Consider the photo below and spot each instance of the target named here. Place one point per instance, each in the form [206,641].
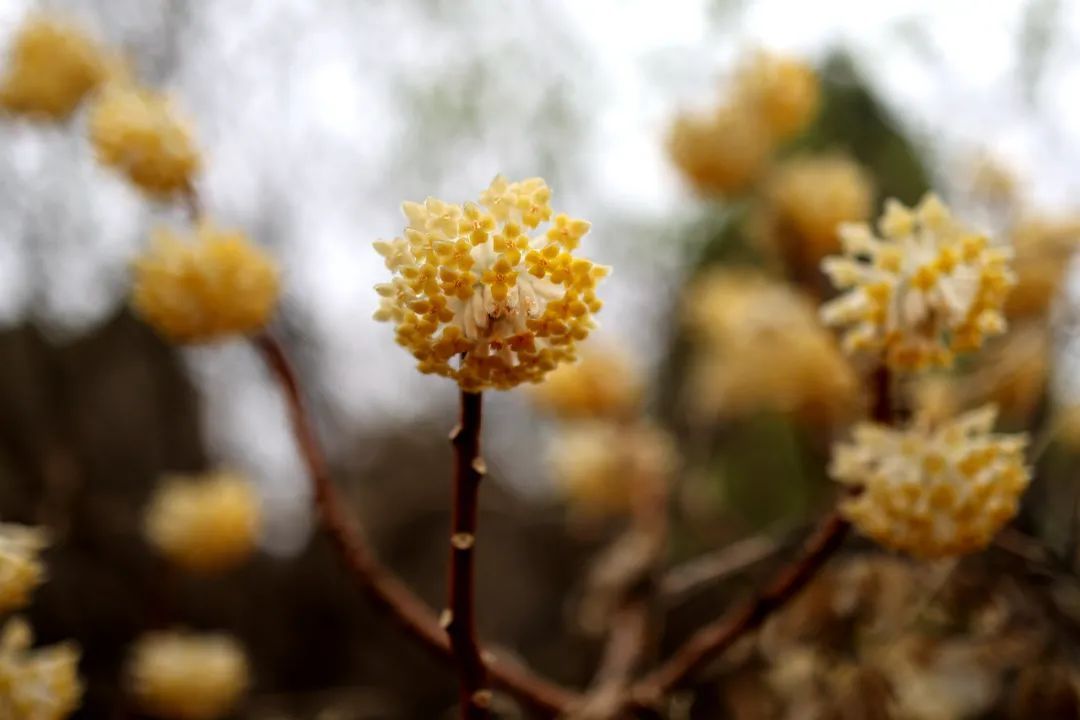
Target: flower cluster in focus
[36,684]
[923,289]
[215,285]
[932,490]
[205,523]
[52,68]
[478,299]
[187,676]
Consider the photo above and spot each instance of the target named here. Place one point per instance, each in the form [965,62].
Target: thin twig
[712,567]
[474,699]
[385,590]
[716,637]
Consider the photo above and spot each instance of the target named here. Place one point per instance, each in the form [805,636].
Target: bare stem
[469,469]
[716,637]
[713,639]
[385,590]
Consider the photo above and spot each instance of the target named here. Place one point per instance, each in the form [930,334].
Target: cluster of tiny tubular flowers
[200,290]
[932,489]
[759,346]
[36,684]
[476,298]
[924,289]
[809,196]
[1043,247]
[187,676]
[204,523]
[723,151]
[601,384]
[53,66]
[604,468]
[139,133]
[21,570]
[784,92]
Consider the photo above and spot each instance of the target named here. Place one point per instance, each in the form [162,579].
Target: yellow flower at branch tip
[139,133]
[604,468]
[36,684]
[808,197]
[207,288]
[204,523]
[601,384]
[187,676]
[924,289]
[482,295]
[52,67]
[932,490]
[21,570]
[784,92]
[1043,249]
[720,154]
[758,346]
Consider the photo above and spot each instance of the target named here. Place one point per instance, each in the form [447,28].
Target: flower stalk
[460,618]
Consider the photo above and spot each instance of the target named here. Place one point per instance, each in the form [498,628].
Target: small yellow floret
[215,285]
[41,684]
[924,289]
[52,68]
[204,523]
[140,133]
[932,490]
[184,676]
[476,298]
[21,571]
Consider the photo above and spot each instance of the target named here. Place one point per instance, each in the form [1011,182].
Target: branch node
[479,466]
[463,541]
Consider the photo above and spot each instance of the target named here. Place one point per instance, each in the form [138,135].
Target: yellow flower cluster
[601,384]
[475,298]
[924,289]
[932,490]
[808,197]
[217,284]
[720,153]
[184,676]
[1043,249]
[40,684]
[603,468]
[761,348]
[724,151]
[21,571]
[139,133]
[784,92]
[52,68]
[204,523]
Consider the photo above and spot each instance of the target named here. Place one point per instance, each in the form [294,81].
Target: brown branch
[474,699]
[718,565]
[713,639]
[385,590]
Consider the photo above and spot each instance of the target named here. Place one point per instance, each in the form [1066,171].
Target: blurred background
[316,120]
